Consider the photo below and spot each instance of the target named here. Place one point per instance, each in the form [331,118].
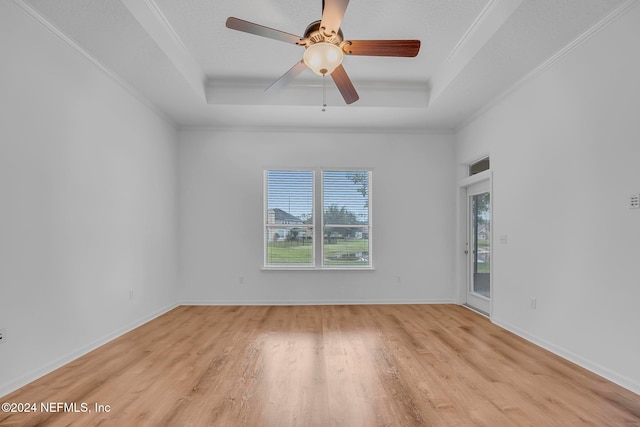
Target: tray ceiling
[182,59]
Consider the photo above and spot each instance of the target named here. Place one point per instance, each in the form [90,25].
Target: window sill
[291,268]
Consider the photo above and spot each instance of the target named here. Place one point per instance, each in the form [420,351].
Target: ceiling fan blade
[287,77]
[261,30]
[403,48]
[332,14]
[344,84]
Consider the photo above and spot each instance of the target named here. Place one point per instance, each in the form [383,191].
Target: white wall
[88,180]
[565,154]
[89,207]
[221,222]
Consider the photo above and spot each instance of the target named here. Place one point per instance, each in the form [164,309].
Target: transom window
[479,166]
[294,199]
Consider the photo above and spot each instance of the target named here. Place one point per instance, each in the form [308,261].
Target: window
[479,166]
[289,218]
[342,239]
[345,218]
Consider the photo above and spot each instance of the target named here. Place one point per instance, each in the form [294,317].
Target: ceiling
[179,56]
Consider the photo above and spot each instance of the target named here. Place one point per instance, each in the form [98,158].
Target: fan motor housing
[315,34]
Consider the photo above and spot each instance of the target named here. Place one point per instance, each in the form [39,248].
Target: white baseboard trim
[317,302]
[17,383]
[572,357]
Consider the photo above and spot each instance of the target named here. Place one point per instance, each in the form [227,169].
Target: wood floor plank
[363,365]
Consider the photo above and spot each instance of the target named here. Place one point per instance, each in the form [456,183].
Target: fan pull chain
[324,92]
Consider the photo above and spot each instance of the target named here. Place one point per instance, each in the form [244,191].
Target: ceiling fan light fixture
[325,47]
[323,57]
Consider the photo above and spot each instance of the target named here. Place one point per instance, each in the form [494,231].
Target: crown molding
[471,30]
[616,13]
[156,25]
[33,14]
[162,19]
[491,19]
[362,130]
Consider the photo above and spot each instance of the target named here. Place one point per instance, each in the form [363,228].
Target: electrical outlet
[533,303]
[241,280]
[131,294]
[3,335]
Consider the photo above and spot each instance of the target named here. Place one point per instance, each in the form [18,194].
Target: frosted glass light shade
[323,58]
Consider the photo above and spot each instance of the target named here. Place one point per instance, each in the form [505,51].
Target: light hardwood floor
[367,365]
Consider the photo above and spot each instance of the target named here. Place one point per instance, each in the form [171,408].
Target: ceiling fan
[325,47]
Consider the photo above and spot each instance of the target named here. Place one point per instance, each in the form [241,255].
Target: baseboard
[14,385]
[572,357]
[476,310]
[317,302]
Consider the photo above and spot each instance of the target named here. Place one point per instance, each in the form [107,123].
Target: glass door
[479,246]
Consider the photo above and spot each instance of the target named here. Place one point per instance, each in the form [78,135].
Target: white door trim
[462,264]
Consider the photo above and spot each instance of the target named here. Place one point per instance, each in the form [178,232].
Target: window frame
[317,225]
[266,224]
[322,225]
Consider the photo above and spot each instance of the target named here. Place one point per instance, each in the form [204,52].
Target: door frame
[462,259]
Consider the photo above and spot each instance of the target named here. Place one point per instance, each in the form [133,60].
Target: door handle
[466,252]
